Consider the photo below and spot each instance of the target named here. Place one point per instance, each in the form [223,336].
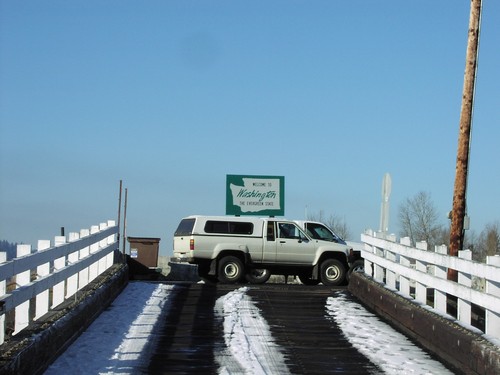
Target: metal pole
[119,215]
[461,171]
[125,222]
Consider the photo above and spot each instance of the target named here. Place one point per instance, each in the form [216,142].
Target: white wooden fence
[404,268]
[33,283]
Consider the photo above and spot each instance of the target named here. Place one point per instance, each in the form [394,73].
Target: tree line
[9,248]
[418,219]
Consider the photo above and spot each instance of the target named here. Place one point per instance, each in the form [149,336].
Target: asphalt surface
[311,343]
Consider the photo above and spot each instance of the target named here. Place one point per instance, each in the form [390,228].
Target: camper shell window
[228,227]
[185,227]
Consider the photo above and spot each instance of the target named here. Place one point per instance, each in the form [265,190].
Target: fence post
[110,239]
[390,276]
[102,244]
[23,278]
[94,267]
[3,289]
[72,281]
[378,274]
[59,263]
[83,277]
[370,249]
[421,289]
[404,281]
[440,301]
[42,299]
[493,287]
[465,279]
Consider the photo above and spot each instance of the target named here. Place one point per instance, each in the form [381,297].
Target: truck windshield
[321,232]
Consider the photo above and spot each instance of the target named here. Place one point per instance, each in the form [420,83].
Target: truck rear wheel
[257,275]
[203,273]
[306,279]
[332,272]
[230,270]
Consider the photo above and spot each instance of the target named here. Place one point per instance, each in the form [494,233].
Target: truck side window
[270,231]
[287,230]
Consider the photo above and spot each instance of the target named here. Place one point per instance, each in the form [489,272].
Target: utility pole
[461,172]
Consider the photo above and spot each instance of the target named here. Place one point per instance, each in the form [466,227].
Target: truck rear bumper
[181,260]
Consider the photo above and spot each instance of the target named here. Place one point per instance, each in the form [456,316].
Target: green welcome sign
[255,195]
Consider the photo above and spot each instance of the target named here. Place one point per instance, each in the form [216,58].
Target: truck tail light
[191,244]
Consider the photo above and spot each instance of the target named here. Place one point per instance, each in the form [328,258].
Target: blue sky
[171,96]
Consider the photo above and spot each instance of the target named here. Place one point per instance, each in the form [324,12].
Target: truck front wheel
[332,272]
[358,266]
[230,270]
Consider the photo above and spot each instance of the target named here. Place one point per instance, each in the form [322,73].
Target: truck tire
[332,272]
[257,275]
[307,279]
[230,270]
[203,273]
[358,266]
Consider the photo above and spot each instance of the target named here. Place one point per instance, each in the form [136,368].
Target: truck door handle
[282,241]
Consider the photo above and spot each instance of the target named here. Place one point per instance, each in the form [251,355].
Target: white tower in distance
[384,210]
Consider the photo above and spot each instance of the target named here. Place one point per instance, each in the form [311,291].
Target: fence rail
[413,272]
[35,282]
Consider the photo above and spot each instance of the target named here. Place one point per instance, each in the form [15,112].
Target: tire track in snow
[250,348]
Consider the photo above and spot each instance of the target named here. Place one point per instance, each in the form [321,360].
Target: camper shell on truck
[231,249]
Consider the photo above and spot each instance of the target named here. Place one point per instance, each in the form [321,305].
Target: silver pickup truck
[231,249]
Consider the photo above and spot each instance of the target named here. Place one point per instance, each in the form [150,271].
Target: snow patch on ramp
[101,349]
[250,348]
[393,352]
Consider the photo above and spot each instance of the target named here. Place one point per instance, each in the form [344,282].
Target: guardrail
[35,282]
[414,271]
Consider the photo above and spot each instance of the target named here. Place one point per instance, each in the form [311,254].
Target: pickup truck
[232,249]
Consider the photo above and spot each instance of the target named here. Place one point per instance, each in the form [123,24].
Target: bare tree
[488,242]
[470,241]
[316,216]
[443,236]
[492,239]
[337,224]
[418,220]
